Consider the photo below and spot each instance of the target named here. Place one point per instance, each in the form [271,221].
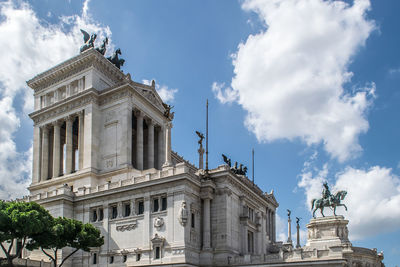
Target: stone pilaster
[168,161]
[150,153]
[45,153]
[68,144]
[139,140]
[56,149]
[273,227]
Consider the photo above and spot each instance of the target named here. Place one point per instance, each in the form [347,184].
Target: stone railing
[65,190]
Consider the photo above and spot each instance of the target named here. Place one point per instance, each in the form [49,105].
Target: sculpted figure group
[89,43]
[241,170]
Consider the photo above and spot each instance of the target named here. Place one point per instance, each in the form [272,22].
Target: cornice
[85,60]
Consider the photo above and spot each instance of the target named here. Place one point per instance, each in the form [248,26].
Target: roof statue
[88,40]
[118,62]
[241,170]
[167,113]
[102,49]
[201,136]
[328,200]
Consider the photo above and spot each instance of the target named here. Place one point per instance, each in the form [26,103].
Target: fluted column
[273,227]
[150,153]
[139,140]
[160,151]
[56,149]
[68,144]
[168,161]
[36,154]
[45,153]
[80,140]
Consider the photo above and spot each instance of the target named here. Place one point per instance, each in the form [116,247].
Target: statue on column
[328,200]
[201,149]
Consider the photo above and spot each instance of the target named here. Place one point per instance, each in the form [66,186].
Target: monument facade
[102,154]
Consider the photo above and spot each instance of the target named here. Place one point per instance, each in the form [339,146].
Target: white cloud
[166,94]
[29,47]
[290,76]
[373,198]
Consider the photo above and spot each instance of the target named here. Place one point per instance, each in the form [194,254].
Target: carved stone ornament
[158,222]
[127,227]
[183,214]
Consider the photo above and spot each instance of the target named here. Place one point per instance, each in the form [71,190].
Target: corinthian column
[150,154]
[68,143]
[139,140]
[80,140]
[45,153]
[160,151]
[168,161]
[56,149]
[206,224]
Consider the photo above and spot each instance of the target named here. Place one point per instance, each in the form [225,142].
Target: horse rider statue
[328,200]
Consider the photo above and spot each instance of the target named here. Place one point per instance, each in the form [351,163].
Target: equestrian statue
[328,200]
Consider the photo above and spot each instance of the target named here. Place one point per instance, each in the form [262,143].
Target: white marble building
[102,154]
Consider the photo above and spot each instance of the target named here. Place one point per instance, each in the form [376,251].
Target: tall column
[80,140]
[273,227]
[168,161]
[56,149]
[139,140]
[45,153]
[150,153]
[36,155]
[206,225]
[161,153]
[267,222]
[68,144]
[289,239]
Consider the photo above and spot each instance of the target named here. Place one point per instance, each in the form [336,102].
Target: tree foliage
[21,221]
[33,225]
[66,232]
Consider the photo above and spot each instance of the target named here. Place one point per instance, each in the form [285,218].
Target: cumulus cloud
[373,198]
[166,94]
[29,46]
[290,77]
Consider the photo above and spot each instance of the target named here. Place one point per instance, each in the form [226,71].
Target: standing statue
[328,200]
[167,113]
[102,49]
[201,136]
[298,220]
[118,62]
[183,214]
[88,40]
[288,213]
[227,160]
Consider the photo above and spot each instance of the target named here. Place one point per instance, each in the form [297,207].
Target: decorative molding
[126,227]
[158,222]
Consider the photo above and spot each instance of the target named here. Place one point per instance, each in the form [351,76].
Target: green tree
[21,221]
[66,232]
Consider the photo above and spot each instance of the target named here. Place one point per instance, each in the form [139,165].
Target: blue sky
[312,86]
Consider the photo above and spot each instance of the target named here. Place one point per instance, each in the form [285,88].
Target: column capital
[149,121]
[57,123]
[168,125]
[70,118]
[80,113]
[138,113]
[45,128]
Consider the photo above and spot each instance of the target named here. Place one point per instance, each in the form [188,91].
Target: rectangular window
[94,260]
[157,253]
[164,203]
[250,242]
[192,220]
[94,215]
[101,214]
[111,259]
[155,205]
[138,256]
[127,210]
[140,207]
[124,258]
[114,212]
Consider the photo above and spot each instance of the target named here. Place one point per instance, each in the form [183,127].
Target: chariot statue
[328,200]
[102,49]
[118,62]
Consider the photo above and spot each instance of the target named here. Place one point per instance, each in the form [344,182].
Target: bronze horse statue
[88,40]
[332,201]
[118,62]
[102,49]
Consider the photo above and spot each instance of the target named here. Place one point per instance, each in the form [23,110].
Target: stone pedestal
[328,232]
